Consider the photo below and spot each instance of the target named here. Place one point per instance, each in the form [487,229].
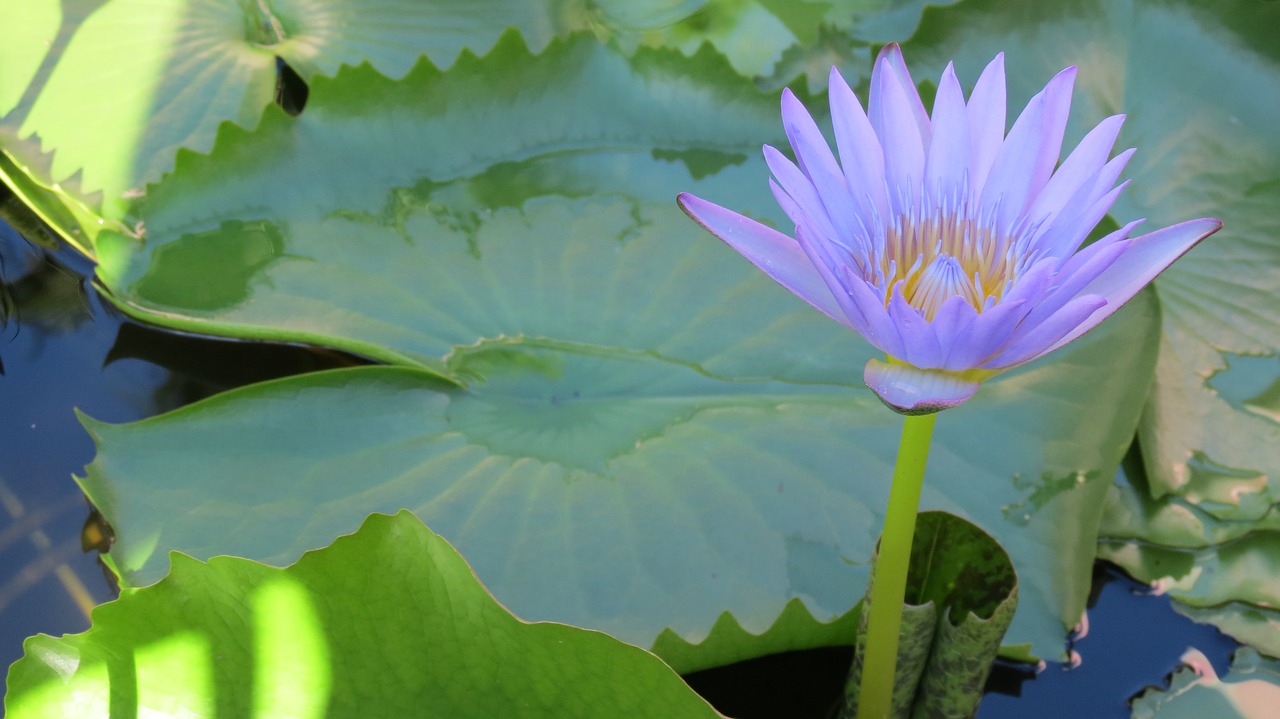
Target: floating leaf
[389,621]
[626,491]
[1217,565]
[1251,690]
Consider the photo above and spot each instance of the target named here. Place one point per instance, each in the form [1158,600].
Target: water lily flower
[951,247]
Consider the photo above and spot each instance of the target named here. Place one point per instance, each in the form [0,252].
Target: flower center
[948,254]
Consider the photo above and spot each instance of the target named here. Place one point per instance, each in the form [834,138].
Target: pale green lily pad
[387,622]
[1251,690]
[626,491]
[21,53]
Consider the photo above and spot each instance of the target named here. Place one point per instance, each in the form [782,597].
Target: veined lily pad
[621,491]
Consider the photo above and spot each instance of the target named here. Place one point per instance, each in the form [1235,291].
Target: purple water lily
[951,247]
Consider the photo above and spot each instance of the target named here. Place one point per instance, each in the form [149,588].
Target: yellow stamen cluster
[943,255]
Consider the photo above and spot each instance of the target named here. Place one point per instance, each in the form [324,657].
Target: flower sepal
[914,391]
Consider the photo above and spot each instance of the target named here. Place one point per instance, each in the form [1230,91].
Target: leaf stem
[889,583]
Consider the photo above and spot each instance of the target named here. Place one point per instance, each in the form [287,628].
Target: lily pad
[387,622]
[1251,690]
[626,491]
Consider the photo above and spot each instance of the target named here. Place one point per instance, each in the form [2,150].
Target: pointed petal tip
[692,205]
[913,391]
[892,48]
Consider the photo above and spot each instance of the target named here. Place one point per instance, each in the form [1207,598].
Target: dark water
[62,348]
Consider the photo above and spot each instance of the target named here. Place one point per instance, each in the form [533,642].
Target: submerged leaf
[961,595]
[389,621]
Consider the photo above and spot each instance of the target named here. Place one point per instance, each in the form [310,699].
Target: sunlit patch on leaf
[389,621]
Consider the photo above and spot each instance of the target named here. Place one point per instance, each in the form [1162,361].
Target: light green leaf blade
[389,621]
[175,71]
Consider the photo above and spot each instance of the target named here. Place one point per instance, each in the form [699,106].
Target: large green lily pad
[625,491]
[387,622]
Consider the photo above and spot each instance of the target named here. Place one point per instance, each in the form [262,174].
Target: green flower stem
[889,585]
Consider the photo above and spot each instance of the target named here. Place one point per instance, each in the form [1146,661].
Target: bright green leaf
[31,28]
[387,622]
